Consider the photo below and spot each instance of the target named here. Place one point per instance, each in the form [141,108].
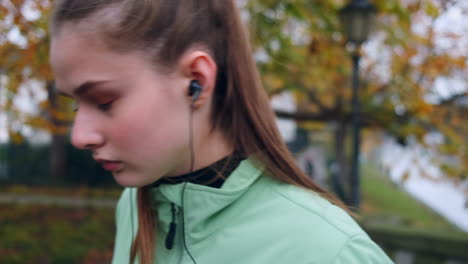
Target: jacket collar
[199,207]
[187,194]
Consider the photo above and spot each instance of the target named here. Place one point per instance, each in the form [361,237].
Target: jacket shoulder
[308,206]
[360,250]
[315,223]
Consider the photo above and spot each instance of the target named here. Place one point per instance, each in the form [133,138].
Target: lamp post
[357,19]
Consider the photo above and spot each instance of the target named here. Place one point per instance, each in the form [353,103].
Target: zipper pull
[170,237]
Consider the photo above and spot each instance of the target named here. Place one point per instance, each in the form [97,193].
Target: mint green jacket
[252,219]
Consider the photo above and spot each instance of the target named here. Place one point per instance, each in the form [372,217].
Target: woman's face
[133,118]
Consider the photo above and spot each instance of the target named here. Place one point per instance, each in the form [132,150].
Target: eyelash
[105,107]
[102,107]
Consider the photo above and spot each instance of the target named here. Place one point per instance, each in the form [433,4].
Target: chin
[131,180]
[126,179]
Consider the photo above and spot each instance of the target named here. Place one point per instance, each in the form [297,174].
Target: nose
[85,132]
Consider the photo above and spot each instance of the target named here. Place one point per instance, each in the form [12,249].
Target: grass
[397,221]
[53,234]
[384,203]
[46,234]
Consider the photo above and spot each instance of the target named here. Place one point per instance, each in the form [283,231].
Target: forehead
[89,31]
[78,56]
[71,46]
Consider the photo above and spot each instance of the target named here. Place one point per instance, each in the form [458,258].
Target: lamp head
[358,18]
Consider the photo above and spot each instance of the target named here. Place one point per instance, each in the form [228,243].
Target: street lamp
[357,19]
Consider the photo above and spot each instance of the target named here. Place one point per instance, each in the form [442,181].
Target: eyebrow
[83,88]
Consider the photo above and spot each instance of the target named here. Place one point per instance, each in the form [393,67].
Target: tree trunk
[58,169]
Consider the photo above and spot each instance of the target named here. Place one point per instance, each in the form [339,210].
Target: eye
[102,101]
[105,107]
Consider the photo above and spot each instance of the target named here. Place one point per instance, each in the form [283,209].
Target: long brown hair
[167,28]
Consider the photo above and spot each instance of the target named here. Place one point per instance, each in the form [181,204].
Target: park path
[62,201]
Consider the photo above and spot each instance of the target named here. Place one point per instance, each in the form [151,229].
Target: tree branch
[314,99]
[367,119]
[453,98]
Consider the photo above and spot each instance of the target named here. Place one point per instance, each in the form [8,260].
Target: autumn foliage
[299,48]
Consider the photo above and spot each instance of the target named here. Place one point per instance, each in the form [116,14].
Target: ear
[199,65]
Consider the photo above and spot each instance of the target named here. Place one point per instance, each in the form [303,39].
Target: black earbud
[195,89]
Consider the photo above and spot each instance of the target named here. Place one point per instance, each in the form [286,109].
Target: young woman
[171,103]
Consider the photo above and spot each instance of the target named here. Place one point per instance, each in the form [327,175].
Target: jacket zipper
[182,212]
[174,236]
[171,235]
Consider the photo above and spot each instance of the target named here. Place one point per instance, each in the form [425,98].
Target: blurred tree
[24,48]
[299,48]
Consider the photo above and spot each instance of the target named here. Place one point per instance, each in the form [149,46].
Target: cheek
[152,128]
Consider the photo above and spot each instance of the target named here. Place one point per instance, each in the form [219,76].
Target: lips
[110,165]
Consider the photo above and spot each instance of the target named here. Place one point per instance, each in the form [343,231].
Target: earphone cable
[192,151]
[192,164]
